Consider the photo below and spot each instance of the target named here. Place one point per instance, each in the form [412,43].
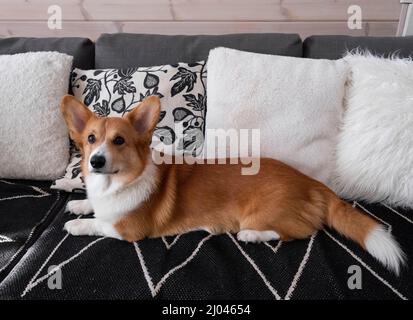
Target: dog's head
[116,147]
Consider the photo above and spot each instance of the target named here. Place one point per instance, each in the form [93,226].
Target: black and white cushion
[115,92]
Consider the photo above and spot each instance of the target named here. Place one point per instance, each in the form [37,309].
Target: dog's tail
[366,231]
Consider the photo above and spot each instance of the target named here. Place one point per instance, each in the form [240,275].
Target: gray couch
[194,265]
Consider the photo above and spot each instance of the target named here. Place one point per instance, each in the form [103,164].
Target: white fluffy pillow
[295,102]
[34,142]
[375,147]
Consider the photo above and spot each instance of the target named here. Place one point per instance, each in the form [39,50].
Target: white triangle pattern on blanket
[5,239]
[40,192]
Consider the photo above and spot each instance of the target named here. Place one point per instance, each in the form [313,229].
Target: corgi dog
[132,197]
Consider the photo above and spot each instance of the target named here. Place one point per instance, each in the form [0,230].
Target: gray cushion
[129,50]
[333,47]
[82,50]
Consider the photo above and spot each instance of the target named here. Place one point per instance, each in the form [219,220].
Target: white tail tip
[381,245]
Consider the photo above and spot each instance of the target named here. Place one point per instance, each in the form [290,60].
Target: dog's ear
[145,117]
[76,115]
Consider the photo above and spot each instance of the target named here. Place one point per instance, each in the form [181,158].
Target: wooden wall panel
[195,10]
[283,10]
[90,30]
[89,18]
[93,29]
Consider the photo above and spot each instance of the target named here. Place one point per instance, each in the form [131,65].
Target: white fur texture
[296,103]
[375,147]
[381,245]
[34,141]
[79,207]
[255,236]
[91,227]
[111,200]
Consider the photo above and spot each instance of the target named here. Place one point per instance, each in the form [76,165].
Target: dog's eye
[91,138]
[118,141]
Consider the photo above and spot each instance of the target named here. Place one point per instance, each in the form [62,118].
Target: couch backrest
[334,47]
[82,49]
[129,50]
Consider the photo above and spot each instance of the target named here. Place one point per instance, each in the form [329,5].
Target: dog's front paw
[79,227]
[74,227]
[79,207]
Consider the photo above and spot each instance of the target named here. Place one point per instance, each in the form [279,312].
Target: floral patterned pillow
[115,92]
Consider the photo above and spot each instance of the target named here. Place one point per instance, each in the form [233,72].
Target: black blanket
[190,266]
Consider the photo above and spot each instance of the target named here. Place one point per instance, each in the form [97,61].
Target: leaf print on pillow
[123,86]
[102,110]
[119,105]
[196,122]
[187,80]
[76,170]
[161,116]
[148,93]
[165,135]
[93,88]
[192,142]
[194,103]
[127,73]
[181,113]
[151,81]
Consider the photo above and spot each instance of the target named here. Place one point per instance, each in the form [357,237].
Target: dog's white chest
[113,208]
[111,200]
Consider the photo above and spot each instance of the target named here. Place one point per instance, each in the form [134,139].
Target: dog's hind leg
[248,235]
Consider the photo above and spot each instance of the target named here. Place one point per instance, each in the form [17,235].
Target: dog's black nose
[97,162]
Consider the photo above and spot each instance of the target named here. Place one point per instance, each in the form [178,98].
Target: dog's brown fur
[214,197]
[218,198]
